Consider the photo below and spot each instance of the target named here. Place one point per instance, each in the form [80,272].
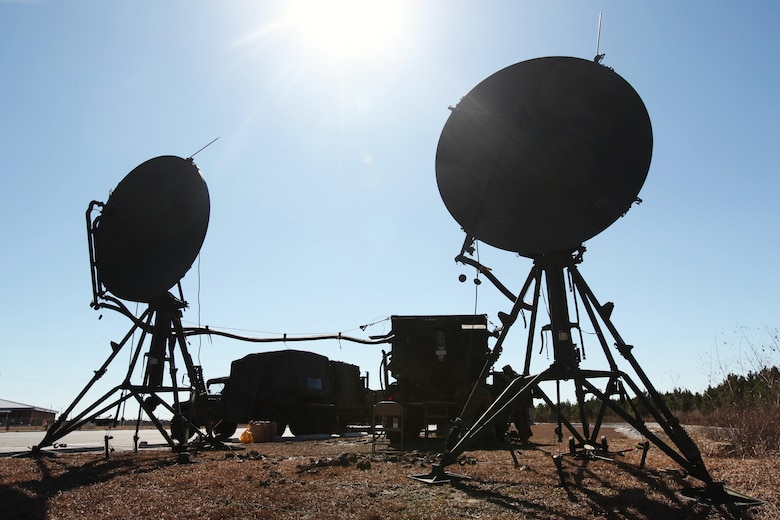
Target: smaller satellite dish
[151,229]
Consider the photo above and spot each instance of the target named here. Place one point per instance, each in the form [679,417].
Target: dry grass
[340,478]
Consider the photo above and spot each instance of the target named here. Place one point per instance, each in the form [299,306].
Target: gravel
[341,478]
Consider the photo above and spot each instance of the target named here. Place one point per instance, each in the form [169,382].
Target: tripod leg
[59,428]
[689,455]
[466,415]
[499,407]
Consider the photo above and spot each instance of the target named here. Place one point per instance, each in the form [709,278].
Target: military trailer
[435,361]
[303,390]
[433,365]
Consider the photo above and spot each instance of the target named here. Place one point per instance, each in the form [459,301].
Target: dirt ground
[342,478]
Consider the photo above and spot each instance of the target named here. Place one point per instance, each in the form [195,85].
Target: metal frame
[161,323]
[387,410]
[551,272]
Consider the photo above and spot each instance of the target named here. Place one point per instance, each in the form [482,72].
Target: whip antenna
[598,57]
[210,143]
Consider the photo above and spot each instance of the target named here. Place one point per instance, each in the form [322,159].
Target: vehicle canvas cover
[275,381]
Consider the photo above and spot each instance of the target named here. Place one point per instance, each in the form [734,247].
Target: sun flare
[349,29]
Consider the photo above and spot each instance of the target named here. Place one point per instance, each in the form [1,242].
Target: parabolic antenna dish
[544,154]
[152,228]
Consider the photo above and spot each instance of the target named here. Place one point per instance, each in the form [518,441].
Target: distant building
[18,414]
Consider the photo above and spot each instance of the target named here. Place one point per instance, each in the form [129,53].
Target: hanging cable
[573,290]
[375,321]
[200,341]
[543,348]
[123,401]
[477,281]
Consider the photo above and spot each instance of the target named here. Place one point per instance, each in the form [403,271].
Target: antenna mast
[598,57]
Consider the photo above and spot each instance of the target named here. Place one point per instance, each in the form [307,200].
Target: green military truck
[305,391]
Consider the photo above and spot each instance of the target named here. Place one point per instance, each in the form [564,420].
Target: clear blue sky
[325,213]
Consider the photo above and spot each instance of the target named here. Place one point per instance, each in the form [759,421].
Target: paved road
[15,442]
[12,442]
[20,442]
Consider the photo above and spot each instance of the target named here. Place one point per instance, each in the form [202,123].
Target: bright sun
[348,29]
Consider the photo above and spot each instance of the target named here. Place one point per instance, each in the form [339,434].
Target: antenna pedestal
[161,323]
[609,387]
[141,244]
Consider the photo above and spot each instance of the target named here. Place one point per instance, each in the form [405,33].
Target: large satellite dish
[536,159]
[544,154]
[152,228]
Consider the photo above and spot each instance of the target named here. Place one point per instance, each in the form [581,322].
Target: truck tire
[181,429]
[273,415]
[311,422]
[305,425]
[224,430]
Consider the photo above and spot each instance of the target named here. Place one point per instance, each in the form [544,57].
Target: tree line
[758,389]
[745,408]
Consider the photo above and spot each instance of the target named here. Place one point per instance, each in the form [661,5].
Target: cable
[288,335]
[575,294]
[477,281]
[200,340]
